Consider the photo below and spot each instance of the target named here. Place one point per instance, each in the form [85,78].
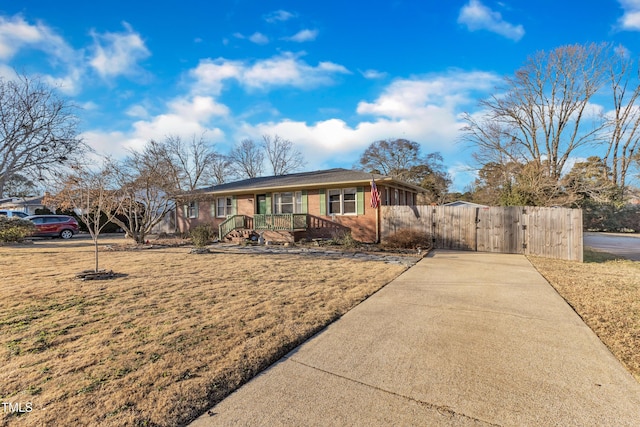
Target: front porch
[296,226]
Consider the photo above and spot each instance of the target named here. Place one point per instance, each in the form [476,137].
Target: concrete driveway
[624,245]
[462,338]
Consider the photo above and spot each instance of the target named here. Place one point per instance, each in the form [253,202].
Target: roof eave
[272,188]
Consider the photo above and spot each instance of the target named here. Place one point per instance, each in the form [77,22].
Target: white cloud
[199,108]
[106,143]
[286,69]
[278,16]
[259,38]
[424,109]
[137,111]
[630,20]
[373,74]
[117,54]
[210,74]
[17,35]
[301,36]
[410,97]
[476,16]
[68,84]
[183,116]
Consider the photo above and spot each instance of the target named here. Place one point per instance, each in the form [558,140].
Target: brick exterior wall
[362,226]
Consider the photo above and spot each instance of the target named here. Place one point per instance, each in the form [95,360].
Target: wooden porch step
[240,235]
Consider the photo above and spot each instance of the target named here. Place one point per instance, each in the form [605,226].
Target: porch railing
[234,222]
[286,222]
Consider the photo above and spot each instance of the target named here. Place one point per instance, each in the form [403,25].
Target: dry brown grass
[605,292]
[159,346]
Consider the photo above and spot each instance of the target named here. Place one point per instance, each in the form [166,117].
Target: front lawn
[164,343]
[605,292]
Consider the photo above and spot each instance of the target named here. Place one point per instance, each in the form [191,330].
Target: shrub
[609,217]
[344,238]
[202,235]
[406,238]
[15,229]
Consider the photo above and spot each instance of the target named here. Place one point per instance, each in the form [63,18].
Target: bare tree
[191,164]
[220,168]
[146,188]
[392,157]
[624,123]
[402,159]
[38,132]
[91,194]
[246,159]
[282,155]
[541,115]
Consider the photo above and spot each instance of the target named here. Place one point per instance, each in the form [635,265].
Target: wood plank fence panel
[546,232]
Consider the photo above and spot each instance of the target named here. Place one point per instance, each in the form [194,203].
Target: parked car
[54,225]
[13,214]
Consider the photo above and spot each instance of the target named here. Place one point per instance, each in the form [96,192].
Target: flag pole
[375,203]
[378,224]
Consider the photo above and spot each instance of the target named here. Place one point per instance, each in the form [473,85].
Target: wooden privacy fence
[545,232]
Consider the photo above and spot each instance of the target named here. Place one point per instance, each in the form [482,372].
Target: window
[290,202]
[396,195]
[334,202]
[387,202]
[224,207]
[191,210]
[342,202]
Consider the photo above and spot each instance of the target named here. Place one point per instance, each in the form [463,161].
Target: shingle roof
[300,180]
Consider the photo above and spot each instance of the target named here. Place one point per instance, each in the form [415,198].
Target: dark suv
[54,225]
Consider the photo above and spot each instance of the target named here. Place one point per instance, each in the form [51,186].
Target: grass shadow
[593,256]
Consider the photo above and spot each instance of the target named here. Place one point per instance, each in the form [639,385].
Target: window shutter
[360,200]
[268,203]
[196,206]
[305,209]
[234,205]
[185,211]
[323,202]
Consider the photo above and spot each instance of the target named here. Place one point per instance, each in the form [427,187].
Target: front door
[262,203]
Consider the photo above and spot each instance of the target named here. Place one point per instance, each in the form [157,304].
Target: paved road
[460,339]
[624,245]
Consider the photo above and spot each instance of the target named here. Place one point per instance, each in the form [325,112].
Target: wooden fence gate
[545,232]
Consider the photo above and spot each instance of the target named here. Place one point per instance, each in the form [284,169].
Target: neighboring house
[301,205]
[26,204]
[465,204]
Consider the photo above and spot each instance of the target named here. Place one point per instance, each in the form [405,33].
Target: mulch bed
[98,275]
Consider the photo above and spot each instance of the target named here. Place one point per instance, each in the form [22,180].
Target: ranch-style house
[291,207]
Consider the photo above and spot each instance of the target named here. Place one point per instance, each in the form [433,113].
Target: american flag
[375,194]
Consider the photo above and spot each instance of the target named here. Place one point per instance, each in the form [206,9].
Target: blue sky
[330,76]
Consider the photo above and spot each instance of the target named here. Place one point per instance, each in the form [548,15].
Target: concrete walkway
[462,338]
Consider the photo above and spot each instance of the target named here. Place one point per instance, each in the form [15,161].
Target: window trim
[296,202]
[227,207]
[191,210]
[341,201]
